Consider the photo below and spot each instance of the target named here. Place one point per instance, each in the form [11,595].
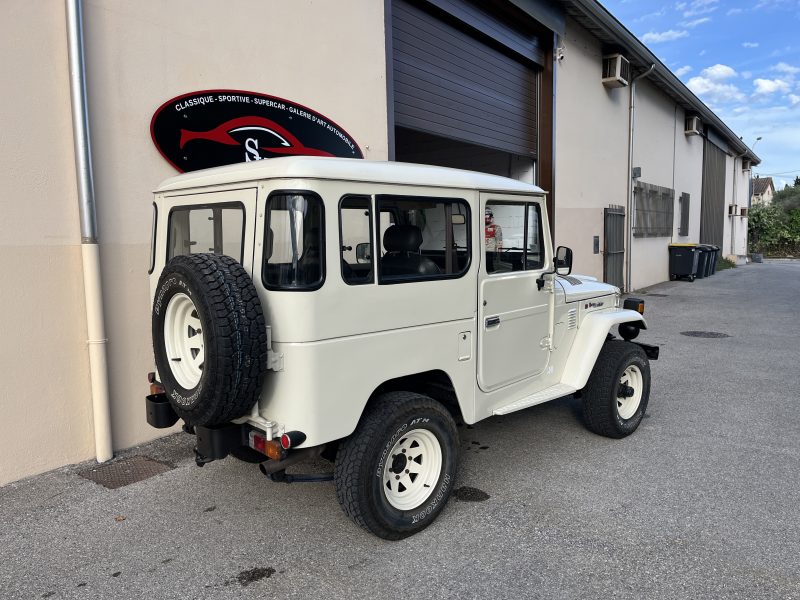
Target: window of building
[683,228]
[513,237]
[217,228]
[294,242]
[422,238]
[653,210]
[355,230]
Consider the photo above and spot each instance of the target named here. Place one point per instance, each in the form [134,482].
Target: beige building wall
[45,396]
[591,151]
[329,56]
[670,159]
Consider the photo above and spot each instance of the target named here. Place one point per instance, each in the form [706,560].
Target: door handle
[492,321]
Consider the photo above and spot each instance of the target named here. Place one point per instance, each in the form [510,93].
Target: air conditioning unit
[693,126]
[743,212]
[746,165]
[732,210]
[616,71]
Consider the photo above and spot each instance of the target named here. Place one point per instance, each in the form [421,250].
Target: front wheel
[618,390]
[395,473]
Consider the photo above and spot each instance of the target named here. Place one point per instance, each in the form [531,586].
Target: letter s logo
[251,147]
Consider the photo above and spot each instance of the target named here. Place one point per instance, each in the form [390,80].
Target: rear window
[196,229]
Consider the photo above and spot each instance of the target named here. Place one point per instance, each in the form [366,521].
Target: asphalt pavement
[703,501]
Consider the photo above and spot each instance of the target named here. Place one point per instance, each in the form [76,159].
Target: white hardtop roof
[345,169]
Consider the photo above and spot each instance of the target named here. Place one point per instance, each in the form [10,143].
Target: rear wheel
[395,473]
[618,390]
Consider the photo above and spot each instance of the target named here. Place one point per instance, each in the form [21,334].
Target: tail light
[292,438]
[271,448]
[155,385]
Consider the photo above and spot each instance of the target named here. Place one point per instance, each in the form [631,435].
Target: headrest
[402,238]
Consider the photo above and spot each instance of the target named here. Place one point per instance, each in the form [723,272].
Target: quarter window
[422,238]
[356,239]
[513,237]
[294,242]
[196,229]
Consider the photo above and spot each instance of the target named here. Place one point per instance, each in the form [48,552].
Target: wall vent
[616,71]
[693,126]
[732,210]
[743,212]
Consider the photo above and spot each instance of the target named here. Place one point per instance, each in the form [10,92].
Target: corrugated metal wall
[712,211]
[451,83]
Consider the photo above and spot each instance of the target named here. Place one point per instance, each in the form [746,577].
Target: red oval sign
[220,127]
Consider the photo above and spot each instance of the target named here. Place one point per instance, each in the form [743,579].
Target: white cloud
[770,86]
[794,99]
[718,72]
[749,44]
[715,91]
[782,67]
[651,15]
[701,53]
[697,7]
[683,70]
[653,37]
[734,11]
[696,22]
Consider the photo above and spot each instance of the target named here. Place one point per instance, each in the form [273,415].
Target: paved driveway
[702,502]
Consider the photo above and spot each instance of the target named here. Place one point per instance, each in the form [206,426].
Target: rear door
[513,312]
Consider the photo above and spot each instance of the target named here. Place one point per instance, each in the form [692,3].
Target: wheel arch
[435,383]
[593,332]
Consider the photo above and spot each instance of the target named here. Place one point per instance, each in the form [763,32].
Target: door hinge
[274,359]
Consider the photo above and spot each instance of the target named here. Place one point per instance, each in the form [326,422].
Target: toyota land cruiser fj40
[357,310]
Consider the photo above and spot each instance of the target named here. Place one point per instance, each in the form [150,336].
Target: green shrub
[775,229]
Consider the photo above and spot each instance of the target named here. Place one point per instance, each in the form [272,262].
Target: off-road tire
[364,458]
[601,397]
[234,338]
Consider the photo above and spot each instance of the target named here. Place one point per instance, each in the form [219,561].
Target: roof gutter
[643,56]
[90,249]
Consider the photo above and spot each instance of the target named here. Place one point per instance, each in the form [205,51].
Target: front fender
[589,341]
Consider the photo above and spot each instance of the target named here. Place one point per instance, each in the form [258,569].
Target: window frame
[369,198]
[526,206]
[212,205]
[323,245]
[439,200]
[153,232]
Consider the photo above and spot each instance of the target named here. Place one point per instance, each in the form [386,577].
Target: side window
[153,232]
[355,229]
[294,242]
[195,229]
[513,237]
[422,238]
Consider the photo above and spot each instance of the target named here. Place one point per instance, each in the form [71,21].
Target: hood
[582,287]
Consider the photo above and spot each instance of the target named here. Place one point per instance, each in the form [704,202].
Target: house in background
[763,190]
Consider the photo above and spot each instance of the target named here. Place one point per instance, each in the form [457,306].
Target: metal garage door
[450,83]
[712,203]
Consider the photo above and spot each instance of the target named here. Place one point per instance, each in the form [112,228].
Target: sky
[741,58]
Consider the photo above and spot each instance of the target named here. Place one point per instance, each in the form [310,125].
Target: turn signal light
[271,448]
[155,385]
[634,304]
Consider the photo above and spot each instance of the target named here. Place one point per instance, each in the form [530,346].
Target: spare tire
[209,338]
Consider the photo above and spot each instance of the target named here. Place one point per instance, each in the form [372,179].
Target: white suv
[357,310]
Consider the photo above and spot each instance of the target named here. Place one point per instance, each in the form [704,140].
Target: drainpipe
[90,250]
[632,125]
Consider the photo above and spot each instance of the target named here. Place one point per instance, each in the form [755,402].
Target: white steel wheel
[183,341]
[629,395]
[412,469]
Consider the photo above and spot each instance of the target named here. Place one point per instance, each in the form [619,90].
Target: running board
[557,391]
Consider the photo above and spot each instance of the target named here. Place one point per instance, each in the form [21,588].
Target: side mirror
[563,260]
[363,254]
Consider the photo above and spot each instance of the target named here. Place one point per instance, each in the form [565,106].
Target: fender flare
[592,334]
